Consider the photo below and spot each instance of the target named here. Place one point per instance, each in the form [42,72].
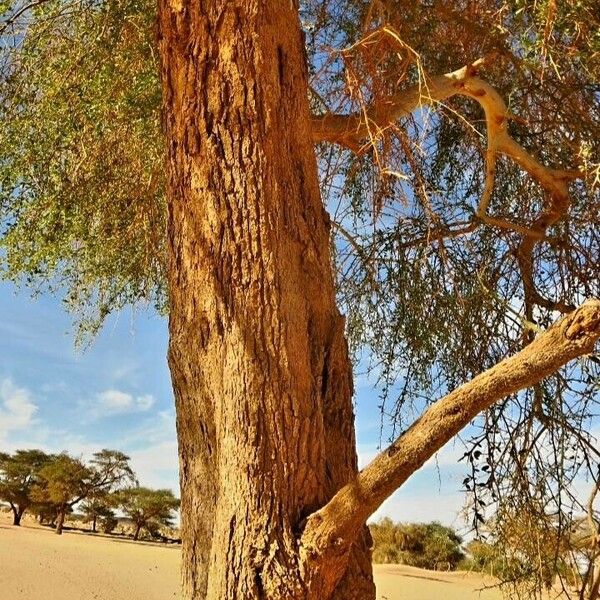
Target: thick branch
[351,130]
[330,532]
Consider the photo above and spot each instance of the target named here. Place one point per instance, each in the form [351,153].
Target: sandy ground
[36,564]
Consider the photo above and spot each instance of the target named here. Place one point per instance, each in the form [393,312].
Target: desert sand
[36,564]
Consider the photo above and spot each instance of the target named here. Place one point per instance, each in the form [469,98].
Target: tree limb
[330,532]
[350,130]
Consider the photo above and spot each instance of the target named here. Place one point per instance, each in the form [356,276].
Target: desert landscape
[38,565]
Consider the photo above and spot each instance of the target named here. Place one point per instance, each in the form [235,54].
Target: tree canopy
[19,474]
[148,508]
[425,545]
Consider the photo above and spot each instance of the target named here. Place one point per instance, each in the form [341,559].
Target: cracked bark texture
[257,352]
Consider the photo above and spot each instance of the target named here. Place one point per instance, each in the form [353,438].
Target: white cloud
[115,402]
[157,465]
[16,408]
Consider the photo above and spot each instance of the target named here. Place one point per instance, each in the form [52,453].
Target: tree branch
[330,532]
[350,131]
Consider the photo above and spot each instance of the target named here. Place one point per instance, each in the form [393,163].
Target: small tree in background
[110,472]
[19,473]
[148,508]
[98,507]
[489,557]
[64,482]
[44,510]
[386,541]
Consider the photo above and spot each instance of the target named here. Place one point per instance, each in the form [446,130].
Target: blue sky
[117,394]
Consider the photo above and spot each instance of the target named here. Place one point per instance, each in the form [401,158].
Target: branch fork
[330,532]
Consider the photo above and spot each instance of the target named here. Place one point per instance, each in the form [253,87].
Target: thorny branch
[352,130]
[330,532]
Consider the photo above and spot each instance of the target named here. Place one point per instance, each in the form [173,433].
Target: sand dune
[36,564]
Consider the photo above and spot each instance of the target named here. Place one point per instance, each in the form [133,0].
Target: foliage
[81,179]
[110,470]
[489,558]
[64,481]
[532,549]
[51,485]
[19,474]
[99,508]
[108,523]
[148,508]
[425,545]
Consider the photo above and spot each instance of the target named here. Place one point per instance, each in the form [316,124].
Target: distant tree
[108,523]
[98,507]
[482,557]
[19,472]
[148,508]
[44,510]
[424,545]
[386,541]
[111,471]
[64,482]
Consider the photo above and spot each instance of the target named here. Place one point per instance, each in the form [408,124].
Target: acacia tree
[99,506]
[111,472]
[19,473]
[453,259]
[147,508]
[64,482]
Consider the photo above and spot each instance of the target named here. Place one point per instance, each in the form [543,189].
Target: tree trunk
[61,519]
[17,514]
[94,524]
[136,535]
[257,353]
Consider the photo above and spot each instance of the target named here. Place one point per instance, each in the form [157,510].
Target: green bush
[424,545]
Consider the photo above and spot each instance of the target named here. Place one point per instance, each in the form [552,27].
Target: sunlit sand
[39,565]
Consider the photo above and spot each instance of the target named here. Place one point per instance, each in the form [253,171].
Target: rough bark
[272,504]
[257,352]
[17,514]
[60,520]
